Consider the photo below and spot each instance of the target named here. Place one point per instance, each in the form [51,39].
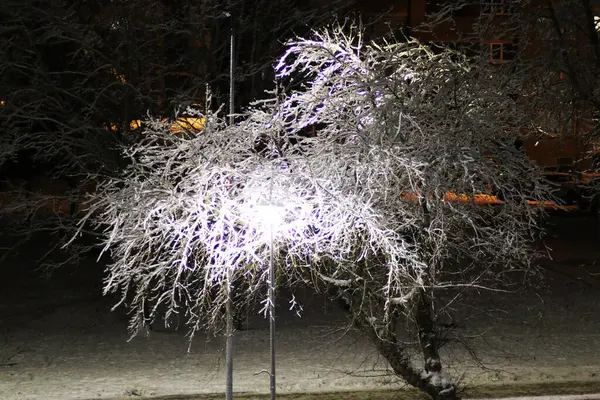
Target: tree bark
[430,380]
[399,359]
[427,333]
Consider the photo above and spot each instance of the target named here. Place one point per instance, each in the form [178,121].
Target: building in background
[552,36]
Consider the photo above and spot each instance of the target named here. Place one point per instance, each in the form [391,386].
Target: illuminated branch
[402,129]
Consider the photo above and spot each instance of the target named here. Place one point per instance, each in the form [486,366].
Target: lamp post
[229,343]
[272,375]
[272,216]
[229,305]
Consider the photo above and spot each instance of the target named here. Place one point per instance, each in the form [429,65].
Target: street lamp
[272,210]
[229,305]
[271,216]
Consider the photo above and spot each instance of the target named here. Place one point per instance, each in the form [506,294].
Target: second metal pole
[231,71]
[229,345]
[229,305]
[272,380]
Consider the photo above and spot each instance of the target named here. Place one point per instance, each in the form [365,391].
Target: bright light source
[272,215]
[267,219]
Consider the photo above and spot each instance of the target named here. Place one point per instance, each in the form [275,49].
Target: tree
[176,48]
[75,76]
[573,51]
[551,47]
[556,57]
[561,70]
[383,209]
[58,95]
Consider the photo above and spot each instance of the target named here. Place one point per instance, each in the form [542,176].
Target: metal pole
[229,306]
[229,347]
[272,319]
[231,78]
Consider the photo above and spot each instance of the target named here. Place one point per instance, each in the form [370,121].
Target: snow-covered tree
[381,168]
[552,47]
[75,79]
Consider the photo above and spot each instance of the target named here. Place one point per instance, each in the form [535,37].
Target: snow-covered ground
[59,340]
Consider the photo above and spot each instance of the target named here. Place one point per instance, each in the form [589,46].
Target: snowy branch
[383,201]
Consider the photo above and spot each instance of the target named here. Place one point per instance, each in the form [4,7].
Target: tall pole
[229,345]
[271,294]
[272,319]
[231,78]
[229,305]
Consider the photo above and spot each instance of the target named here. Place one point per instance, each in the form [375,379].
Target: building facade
[556,39]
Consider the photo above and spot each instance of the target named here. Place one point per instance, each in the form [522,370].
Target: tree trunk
[427,333]
[429,382]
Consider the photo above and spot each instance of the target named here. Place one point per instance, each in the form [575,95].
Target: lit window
[502,52]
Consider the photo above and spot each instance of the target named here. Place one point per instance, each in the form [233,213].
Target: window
[496,6]
[502,52]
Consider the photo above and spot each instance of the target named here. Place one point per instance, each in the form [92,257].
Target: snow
[65,343]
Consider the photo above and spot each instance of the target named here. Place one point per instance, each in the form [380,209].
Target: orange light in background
[177,126]
[486,199]
[550,205]
[135,124]
[2,102]
[188,124]
[453,197]
[479,198]
[482,199]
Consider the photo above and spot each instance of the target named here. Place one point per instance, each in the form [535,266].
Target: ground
[59,340]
